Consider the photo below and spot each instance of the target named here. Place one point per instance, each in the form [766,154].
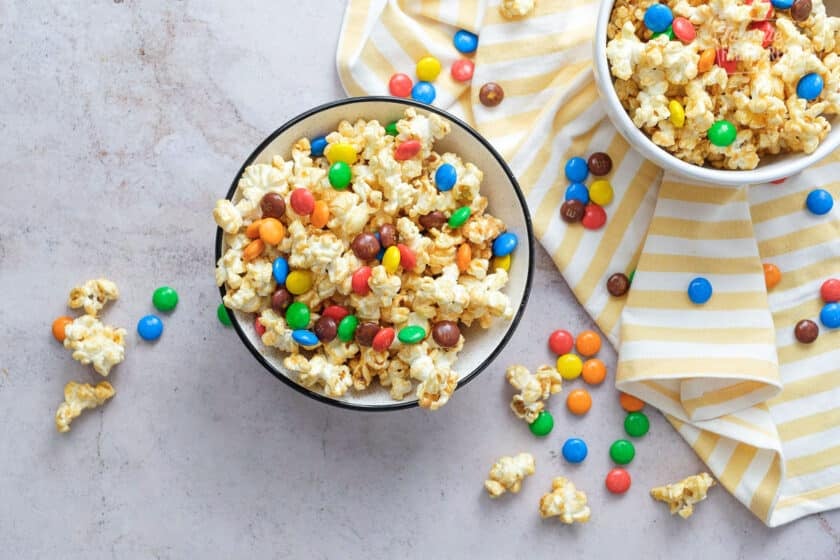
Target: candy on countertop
[601,192]
[165,298]
[299,282]
[428,69]
[505,244]
[302,201]
[359,280]
[407,150]
[577,170]
[810,86]
[223,315]
[59,326]
[391,259]
[572,211]
[491,94]
[683,30]
[722,133]
[681,496]
[830,315]
[465,42]
[412,334]
[561,342]
[677,113]
[400,85]
[341,152]
[579,402]
[459,217]
[305,338]
[622,451]
[636,424]
[577,191]
[594,371]
[772,275]
[445,177]
[806,331]
[630,403]
[658,17]
[618,284]
[819,202]
[297,315]
[570,366]
[617,481]
[347,328]
[424,92]
[699,290]
[599,164]
[594,216]
[150,327]
[340,175]
[543,425]
[588,343]
[830,290]
[462,70]
[383,339]
[317,145]
[574,450]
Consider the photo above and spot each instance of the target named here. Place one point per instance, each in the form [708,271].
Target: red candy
[462,70]
[400,85]
[383,339]
[594,217]
[302,201]
[683,30]
[407,150]
[830,290]
[767,28]
[408,260]
[359,281]
[769,14]
[258,326]
[335,312]
[617,481]
[729,65]
[561,342]
[779,181]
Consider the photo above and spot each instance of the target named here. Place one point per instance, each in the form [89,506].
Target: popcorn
[79,397]
[515,9]
[227,216]
[508,473]
[317,371]
[681,496]
[533,389]
[564,501]
[93,295]
[94,343]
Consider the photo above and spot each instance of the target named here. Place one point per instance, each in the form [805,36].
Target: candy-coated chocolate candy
[632,275]
[347,328]
[412,334]
[491,94]
[150,327]
[683,30]
[579,401]
[505,244]
[272,231]
[320,214]
[280,300]
[588,343]
[699,290]
[622,451]
[359,281]
[365,246]
[297,315]
[463,257]
[767,28]
[407,150]
[408,259]
[830,290]
[561,342]
[223,315]
[782,4]
[707,60]
[165,298]
[618,284]
[601,192]
[428,69]
[302,202]
[299,282]
[272,205]
[253,250]
[819,202]
[391,259]
[543,425]
[594,216]
[446,333]
[317,145]
[577,191]
[335,312]
[636,424]
[391,129]
[462,70]
[400,85]
[445,177]
[59,326]
[617,481]
[465,42]
[252,231]
[772,275]
[387,235]
[569,366]
[800,10]
[383,339]
[258,327]
[434,219]
[806,331]
[424,92]
[830,315]
[722,133]
[576,170]
[669,32]
[305,338]
[594,371]
[366,332]
[502,262]
[810,86]
[341,152]
[459,217]
[630,403]
[574,450]
[722,59]
[599,164]
[572,211]
[677,115]
[326,328]
[340,175]
[658,17]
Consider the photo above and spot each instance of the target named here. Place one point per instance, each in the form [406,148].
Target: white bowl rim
[664,159]
[514,323]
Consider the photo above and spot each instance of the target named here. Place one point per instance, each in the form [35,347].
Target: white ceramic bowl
[770,168]
[505,201]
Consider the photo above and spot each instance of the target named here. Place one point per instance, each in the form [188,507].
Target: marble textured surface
[122,121]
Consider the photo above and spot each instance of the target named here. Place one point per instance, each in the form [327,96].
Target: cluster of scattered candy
[585,204]
[150,327]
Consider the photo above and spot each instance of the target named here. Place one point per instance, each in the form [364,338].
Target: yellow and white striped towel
[762,410]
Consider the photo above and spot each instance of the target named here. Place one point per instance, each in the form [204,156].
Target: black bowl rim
[528,225]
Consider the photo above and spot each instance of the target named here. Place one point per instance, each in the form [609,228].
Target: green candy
[636,424]
[223,315]
[411,334]
[543,425]
[340,175]
[165,298]
[722,133]
[459,217]
[622,451]
[391,129]
[669,32]
[297,316]
[347,328]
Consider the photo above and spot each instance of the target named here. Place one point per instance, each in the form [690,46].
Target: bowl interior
[505,202]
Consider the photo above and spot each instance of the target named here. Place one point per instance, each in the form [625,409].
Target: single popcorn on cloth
[534,388]
[565,501]
[681,496]
[515,9]
[94,343]
[79,397]
[93,295]
[507,474]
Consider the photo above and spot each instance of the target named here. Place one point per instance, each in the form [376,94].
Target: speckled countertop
[122,121]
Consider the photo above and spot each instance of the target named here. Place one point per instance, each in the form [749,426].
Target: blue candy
[505,244]
[577,191]
[317,145]
[280,269]
[575,450]
[576,170]
[699,290]
[424,92]
[819,202]
[304,337]
[830,315]
[445,177]
[782,4]
[465,41]
[810,86]
[150,327]
[658,17]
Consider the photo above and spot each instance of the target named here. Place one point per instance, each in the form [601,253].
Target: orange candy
[253,250]
[594,371]
[579,401]
[707,60]
[320,214]
[58,327]
[630,403]
[772,275]
[463,257]
[272,231]
[253,229]
[588,343]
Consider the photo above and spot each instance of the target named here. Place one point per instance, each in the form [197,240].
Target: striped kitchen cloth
[762,410]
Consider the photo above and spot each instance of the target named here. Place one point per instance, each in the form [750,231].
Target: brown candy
[281,299]
[432,220]
[365,333]
[599,164]
[806,331]
[388,235]
[365,246]
[618,284]
[572,211]
[800,10]
[491,94]
[446,333]
[325,329]
[272,205]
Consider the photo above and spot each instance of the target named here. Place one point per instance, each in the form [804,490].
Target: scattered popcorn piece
[533,388]
[79,397]
[94,343]
[515,9]
[564,501]
[681,496]
[507,474]
[93,295]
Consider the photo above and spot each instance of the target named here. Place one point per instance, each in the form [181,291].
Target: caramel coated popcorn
[515,9]
[79,397]
[94,343]
[565,502]
[534,388]
[681,496]
[93,295]
[507,474]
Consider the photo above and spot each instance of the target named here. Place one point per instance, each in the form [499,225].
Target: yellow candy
[391,259]
[299,282]
[428,69]
[341,152]
[677,113]
[570,366]
[502,262]
[601,192]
